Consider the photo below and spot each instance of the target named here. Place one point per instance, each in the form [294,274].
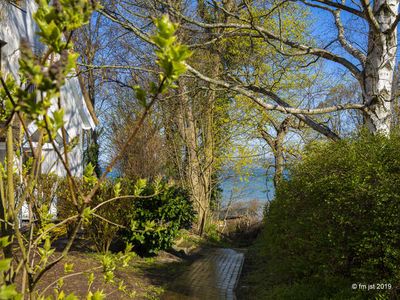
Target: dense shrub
[337,216]
[156,219]
[99,231]
[147,215]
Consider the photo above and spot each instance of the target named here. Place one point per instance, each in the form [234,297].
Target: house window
[2,44]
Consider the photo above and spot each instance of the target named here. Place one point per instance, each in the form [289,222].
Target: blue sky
[324,30]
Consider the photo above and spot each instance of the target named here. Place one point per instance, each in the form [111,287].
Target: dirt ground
[144,278]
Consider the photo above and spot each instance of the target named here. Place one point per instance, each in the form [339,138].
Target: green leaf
[8,292]
[5,264]
[68,268]
[98,295]
[171,55]
[4,242]
[87,213]
[58,116]
[47,245]
[71,297]
[139,186]
[117,189]
[109,276]
[141,95]
[89,175]
[91,278]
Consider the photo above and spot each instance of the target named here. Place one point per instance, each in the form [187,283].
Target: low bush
[109,218]
[146,215]
[157,217]
[336,218]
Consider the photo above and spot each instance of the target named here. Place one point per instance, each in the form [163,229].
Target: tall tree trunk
[279,162]
[86,41]
[276,145]
[194,173]
[378,82]
[208,153]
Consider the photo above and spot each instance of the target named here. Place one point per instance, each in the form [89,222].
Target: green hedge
[336,219]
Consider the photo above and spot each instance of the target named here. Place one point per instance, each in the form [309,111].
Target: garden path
[212,277]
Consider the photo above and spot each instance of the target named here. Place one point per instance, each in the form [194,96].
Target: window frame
[2,44]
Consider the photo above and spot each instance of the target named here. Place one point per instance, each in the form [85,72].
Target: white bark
[378,82]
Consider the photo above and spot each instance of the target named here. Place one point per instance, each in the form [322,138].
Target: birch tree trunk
[378,83]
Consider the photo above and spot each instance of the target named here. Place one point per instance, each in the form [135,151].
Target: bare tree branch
[127,25]
[395,24]
[321,128]
[281,105]
[341,6]
[370,15]
[266,34]
[344,42]
[291,110]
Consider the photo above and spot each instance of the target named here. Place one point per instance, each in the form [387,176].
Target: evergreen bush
[155,220]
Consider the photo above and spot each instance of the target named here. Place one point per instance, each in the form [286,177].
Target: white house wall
[52,164]
[15,26]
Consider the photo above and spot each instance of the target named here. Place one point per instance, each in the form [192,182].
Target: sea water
[257,186]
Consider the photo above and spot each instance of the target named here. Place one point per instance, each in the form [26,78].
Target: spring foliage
[336,220]
[147,215]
